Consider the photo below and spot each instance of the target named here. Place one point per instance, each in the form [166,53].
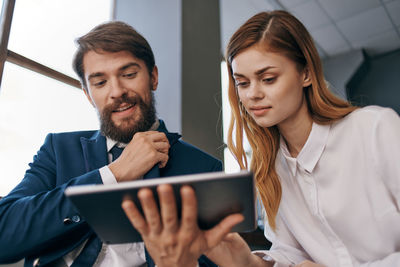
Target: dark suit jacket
[39,224]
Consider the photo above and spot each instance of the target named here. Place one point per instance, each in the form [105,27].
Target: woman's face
[269,85]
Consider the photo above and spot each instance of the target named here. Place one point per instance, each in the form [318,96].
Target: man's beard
[128,127]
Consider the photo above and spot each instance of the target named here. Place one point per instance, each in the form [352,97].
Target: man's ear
[306,77]
[154,78]
[88,96]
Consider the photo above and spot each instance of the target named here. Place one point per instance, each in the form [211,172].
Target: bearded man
[118,74]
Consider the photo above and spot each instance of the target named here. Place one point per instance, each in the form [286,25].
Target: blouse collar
[311,152]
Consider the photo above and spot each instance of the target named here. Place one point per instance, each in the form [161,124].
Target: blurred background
[358,41]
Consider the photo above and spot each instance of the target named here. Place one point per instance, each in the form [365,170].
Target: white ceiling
[337,26]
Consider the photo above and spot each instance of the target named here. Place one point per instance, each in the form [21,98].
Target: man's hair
[112,36]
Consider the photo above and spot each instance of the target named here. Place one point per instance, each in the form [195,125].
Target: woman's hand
[233,251]
[309,264]
[169,241]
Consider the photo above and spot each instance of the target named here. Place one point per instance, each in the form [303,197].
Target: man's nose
[117,89]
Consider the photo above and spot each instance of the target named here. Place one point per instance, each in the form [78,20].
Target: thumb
[218,232]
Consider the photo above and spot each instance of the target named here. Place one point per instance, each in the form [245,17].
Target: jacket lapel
[94,151]
[172,137]
[152,173]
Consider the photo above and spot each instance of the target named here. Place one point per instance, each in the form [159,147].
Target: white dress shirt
[340,201]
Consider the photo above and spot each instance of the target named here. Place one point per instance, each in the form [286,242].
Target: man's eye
[99,83]
[129,74]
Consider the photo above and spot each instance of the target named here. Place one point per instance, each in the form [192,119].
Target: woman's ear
[306,77]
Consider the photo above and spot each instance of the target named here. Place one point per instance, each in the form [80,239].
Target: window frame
[7,12]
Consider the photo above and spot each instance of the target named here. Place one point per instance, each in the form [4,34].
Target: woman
[327,172]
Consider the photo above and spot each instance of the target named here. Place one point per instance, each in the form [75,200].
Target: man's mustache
[133,100]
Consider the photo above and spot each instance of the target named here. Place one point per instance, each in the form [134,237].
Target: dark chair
[256,240]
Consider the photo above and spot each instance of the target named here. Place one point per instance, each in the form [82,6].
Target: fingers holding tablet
[172,241]
[189,209]
[168,208]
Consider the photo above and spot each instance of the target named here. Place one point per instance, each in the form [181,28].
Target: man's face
[120,88]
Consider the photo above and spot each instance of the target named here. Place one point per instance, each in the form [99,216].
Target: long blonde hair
[277,31]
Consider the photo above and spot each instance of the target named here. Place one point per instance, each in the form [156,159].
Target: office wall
[366,80]
[160,23]
[186,42]
[340,69]
[380,84]
[201,75]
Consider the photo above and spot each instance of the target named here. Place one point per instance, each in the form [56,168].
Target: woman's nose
[255,91]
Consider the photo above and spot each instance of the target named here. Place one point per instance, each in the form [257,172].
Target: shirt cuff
[107,176]
[277,258]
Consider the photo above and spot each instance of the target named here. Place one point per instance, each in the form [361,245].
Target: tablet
[218,195]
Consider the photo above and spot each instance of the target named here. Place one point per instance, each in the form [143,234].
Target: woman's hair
[280,32]
[114,36]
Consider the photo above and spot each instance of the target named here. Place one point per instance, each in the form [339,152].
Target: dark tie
[116,152]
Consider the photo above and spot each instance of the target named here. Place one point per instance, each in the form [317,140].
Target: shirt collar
[311,151]
[111,143]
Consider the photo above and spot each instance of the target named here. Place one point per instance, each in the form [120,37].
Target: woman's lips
[259,111]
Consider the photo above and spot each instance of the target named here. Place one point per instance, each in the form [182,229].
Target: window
[32,104]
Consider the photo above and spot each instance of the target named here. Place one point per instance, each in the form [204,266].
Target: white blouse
[340,201]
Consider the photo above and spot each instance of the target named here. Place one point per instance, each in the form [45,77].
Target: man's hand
[169,241]
[145,150]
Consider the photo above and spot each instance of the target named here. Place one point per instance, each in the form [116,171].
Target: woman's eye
[269,79]
[241,84]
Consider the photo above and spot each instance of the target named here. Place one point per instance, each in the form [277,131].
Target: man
[118,74]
